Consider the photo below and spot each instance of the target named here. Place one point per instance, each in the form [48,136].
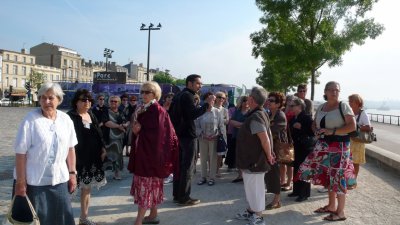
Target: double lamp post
[149,28]
[107,54]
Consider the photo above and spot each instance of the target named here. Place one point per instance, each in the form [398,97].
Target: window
[77,74]
[15,58]
[14,82]
[7,69]
[24,71]
[24,59]
[52,77]
[31,60]
[71,64]
[65,62]
[57,77]
[15,69]
[71,75]
[8,58]
[7,82]
[77,64]
[64,73]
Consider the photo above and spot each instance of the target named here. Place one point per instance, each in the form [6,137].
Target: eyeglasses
[146,92]
[221,97]
[85,99]
[271,100]
[114,101]
[101,99]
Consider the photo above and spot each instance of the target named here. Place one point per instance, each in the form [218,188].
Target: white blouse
[35,139]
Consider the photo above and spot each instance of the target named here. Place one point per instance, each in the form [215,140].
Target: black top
[304,135]
[90,142]
[98,111]
[183,113]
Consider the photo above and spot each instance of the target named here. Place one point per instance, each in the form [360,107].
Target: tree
[163,78]
[302,35]
[36,79]
[180,82]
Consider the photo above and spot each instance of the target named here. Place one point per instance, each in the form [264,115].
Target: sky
[205,37]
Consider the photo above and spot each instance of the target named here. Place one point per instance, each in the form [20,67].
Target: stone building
[137,72]
[16,68]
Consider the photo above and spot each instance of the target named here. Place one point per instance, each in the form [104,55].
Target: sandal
[334,217]
[148,220]
[324,210]
[211,182]
[202,181]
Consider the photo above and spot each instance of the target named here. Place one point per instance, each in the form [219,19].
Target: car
[4,102]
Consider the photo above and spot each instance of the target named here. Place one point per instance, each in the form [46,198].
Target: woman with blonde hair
[357,149]
[154,153]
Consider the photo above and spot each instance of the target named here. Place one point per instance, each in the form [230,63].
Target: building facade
[137,72]
[16,68]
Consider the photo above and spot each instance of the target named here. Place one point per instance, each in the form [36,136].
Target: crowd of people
[275,143]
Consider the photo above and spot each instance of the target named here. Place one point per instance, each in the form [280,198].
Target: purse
[363,136]
[221,144]
[285,149]
[21,211]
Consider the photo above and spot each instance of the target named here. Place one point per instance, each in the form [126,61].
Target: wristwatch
[73,172]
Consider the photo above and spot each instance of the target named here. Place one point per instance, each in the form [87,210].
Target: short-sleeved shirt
[364,120]
[257,127]
[333,119]
[35,138]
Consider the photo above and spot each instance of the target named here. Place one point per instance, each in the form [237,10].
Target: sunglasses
[271,100]
[146,92]
[221,97]
[85,99]
[114,101]
[101,99]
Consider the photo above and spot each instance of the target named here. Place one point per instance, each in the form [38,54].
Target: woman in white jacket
[210,125]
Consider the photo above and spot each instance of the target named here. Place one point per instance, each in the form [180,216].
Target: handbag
[221,143]
[365,137]
[285,150]
[21,211]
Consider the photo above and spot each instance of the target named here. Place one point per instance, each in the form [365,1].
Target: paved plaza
[375,201]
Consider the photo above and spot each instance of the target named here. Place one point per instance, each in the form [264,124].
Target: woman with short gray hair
[45,168]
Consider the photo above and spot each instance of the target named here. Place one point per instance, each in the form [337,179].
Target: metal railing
[381,118]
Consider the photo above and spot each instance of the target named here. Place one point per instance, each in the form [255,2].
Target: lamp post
[149,28]
[107,54]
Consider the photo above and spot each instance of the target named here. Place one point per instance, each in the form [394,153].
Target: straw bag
[21,212]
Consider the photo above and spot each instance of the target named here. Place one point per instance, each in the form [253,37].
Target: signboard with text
[109,78]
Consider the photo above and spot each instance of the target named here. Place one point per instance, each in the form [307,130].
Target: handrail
[382,118]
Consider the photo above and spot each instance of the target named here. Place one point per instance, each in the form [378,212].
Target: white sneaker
[256,220]
[169,179]
[323,190]
[246,215]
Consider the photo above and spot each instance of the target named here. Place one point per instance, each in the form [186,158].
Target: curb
[384,158]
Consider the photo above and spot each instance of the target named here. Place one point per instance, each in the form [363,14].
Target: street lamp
[149,28]
[107,54]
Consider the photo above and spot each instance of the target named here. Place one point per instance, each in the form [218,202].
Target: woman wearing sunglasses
[154,153]
[90,150]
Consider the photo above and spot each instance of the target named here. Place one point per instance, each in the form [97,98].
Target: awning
[21,92]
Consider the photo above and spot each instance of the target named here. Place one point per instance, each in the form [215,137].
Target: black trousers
[187,153]
[301,188]
[230,159]
[272,180]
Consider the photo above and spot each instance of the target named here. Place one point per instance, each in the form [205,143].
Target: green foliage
[302,35]
[37,79]
[163,78]
[180,82]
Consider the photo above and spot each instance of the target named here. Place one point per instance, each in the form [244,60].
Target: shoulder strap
[341,111]
[359,115]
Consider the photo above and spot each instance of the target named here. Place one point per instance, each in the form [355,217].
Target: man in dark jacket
[183,113]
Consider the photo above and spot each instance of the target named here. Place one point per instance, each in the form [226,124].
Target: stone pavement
[375,201]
